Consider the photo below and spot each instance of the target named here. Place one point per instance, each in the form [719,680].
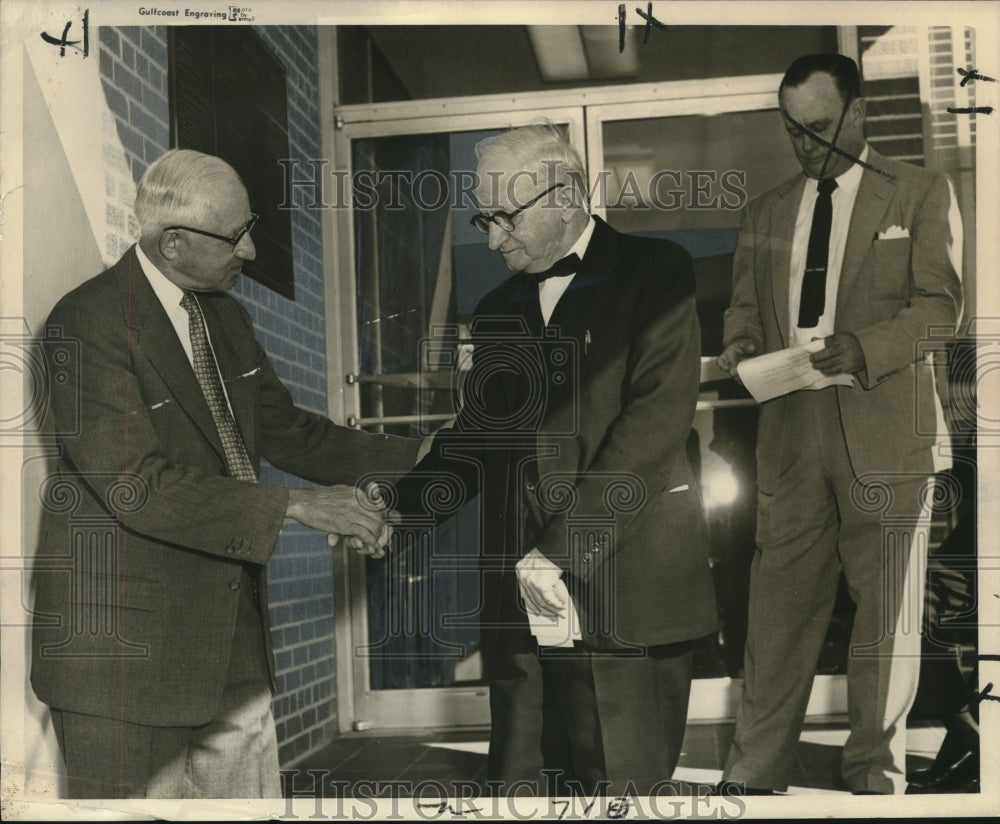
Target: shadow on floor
[369,765]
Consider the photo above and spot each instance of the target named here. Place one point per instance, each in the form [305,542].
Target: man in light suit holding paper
[858,251]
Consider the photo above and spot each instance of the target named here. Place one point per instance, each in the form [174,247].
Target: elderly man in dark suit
[151,641]
[857,251]
[576,413]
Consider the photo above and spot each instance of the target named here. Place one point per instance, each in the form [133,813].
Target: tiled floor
[398,763]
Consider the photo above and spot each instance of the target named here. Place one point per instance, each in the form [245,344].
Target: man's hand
[376,550]
[739,349]
[341,510]
[537,577]
[841,354]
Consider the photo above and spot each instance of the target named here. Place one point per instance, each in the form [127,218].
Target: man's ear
[859,110]
[170,244]
[567,198]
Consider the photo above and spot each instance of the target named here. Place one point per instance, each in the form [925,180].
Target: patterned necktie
[811,305]
[207,372]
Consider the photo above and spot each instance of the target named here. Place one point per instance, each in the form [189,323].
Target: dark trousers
[592,721]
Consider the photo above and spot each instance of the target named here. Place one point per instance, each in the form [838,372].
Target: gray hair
[542,148]
[173,188]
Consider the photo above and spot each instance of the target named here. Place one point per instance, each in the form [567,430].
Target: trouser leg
[643,703]
[793,586]
[235,755]
[883,547]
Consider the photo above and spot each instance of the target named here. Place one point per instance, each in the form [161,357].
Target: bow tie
[564,266]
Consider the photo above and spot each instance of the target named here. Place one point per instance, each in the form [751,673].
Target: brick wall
[133,67]
[133,63]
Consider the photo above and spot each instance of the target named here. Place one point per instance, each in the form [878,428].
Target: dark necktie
[813,298]
[207,372]
[564,266]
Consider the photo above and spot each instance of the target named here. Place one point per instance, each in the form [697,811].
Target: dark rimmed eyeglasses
[505,220]
[233,241]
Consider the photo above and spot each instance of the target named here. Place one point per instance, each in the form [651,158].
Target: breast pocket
[248,381]
[889,269]
[243,391]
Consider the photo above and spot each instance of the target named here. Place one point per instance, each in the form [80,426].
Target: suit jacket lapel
[579,309]
[875,193]
[581,315]
[524,302]
[158,342]
[784,213]
[516,316]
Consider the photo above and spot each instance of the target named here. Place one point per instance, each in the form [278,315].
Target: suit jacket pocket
[243,390]
[113,591]
[889,269]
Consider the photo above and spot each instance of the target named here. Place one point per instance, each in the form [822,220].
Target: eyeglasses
[232,241]
[505,220]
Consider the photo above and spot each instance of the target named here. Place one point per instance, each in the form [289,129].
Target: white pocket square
[681,488]
[893,233]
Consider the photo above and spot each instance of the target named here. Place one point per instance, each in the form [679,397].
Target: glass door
[676,160]
[417,270]
[683,170]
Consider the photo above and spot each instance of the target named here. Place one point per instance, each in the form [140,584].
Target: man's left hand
[537,577]
[841,354]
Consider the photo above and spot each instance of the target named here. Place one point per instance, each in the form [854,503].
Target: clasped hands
[840,355]
[358,516]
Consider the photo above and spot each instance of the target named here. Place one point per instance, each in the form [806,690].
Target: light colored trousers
[818,521]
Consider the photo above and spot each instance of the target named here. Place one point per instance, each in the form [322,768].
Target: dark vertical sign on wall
[228,97]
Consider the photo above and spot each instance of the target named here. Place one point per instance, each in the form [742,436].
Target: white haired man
[152,648]
[577,411]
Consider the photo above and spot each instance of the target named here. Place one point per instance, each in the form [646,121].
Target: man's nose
[497,234]
[245,248]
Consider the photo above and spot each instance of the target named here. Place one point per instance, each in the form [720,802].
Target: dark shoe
[733,788]
[961,742]
[958,775]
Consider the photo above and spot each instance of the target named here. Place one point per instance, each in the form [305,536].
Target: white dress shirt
[551,289]
[843,198]
[170,295]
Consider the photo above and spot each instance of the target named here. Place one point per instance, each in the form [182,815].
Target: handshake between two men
[359,516]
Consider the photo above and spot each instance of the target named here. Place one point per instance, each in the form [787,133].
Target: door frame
[585,110]
[360,707]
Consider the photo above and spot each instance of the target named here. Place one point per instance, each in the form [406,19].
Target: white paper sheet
[778,373]
[557,632]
